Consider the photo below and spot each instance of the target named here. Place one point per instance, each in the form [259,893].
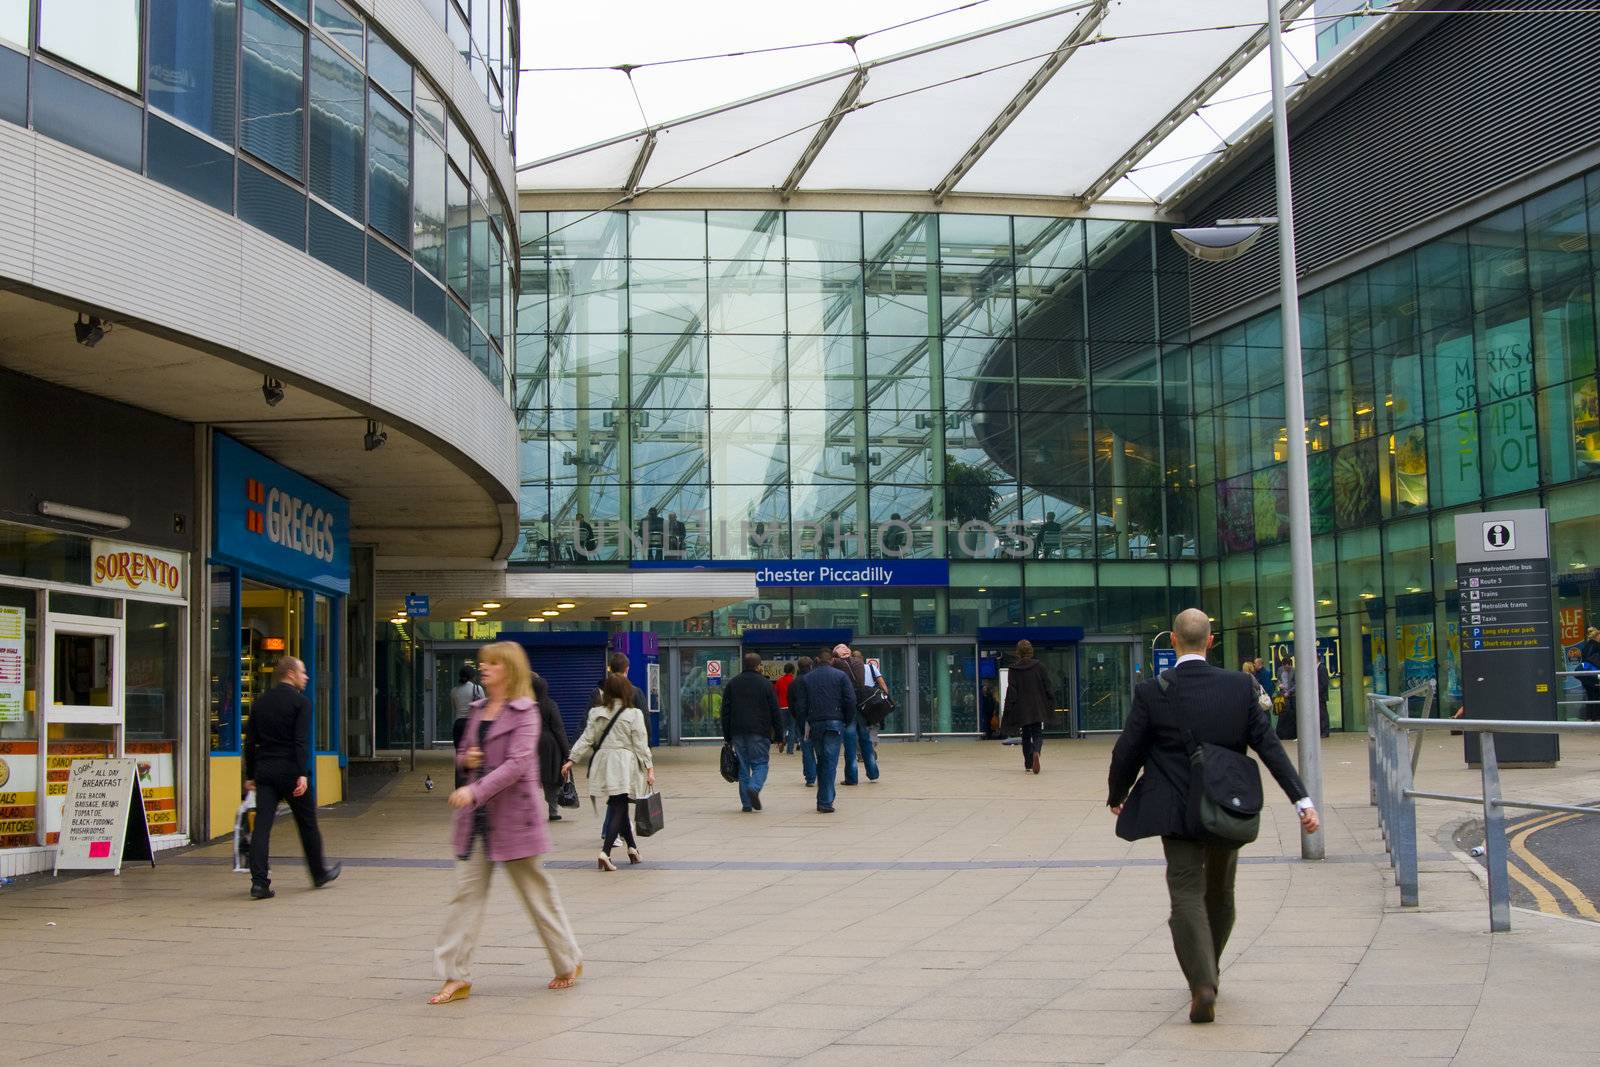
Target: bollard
[1494,838]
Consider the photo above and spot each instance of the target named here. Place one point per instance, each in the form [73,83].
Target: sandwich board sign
[103,821]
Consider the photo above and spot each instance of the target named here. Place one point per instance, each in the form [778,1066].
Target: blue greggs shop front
[279,571]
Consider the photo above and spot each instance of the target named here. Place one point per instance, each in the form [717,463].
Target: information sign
[1507,628]
[714,672]
[103,821]
[417,605]
[1165,659]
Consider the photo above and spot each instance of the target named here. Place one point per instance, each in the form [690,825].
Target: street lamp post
[1229,239]
[1308,692]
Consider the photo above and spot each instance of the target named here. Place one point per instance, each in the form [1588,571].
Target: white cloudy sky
[566,110]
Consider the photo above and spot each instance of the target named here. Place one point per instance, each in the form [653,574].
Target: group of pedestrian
[816,704]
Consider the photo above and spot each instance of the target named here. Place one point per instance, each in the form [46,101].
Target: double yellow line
[1519,832]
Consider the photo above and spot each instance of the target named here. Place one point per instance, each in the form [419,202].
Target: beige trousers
[458,939]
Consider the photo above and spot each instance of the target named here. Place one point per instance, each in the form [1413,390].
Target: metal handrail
[1392,760]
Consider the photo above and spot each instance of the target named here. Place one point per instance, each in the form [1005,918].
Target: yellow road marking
[1585,907]
[1542,897]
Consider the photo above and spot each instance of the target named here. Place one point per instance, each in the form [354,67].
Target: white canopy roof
[1118,100]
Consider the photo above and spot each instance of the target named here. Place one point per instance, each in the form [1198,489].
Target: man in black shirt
[750,723]
[277,765]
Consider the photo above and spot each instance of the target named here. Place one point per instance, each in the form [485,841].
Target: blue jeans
[794,731]
[858,733]
[826,739]
[807,757]
[752,750]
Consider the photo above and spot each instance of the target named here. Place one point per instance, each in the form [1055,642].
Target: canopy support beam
[1190,104]
[819,139]
[1085,29]
[640,162]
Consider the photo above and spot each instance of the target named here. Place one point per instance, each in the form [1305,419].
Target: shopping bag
[647,817]
[243,823]
[730,763]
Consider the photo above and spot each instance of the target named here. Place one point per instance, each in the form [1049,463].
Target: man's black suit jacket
[279,731]
[1216,706]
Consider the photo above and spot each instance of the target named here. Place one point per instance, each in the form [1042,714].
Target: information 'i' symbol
[1498,535]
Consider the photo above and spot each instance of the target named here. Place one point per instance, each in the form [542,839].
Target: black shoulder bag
[1225,797]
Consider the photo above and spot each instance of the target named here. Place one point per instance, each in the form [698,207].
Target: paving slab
[953,912]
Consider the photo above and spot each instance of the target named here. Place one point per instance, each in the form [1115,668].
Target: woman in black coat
[553,746]
[1029,701]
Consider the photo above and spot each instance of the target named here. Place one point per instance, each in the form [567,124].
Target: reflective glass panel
[14,22]
[191,72]
[428,219]
[337,243]
[272,120]
[190,165]
[458,231]
[388,69]
[337,117]
[101,36]
[72,110]
[388,274]
[341,24]
[268,204]
[389,169]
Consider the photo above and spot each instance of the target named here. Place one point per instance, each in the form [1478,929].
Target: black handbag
[567,792]
[729,763]
[876,707]
[647,816]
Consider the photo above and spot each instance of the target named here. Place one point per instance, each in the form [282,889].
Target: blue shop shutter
[571,666]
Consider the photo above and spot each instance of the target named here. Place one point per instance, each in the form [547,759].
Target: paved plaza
[959,909]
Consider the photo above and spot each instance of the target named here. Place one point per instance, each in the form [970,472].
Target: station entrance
[944,686]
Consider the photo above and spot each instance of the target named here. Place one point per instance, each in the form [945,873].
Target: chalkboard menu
[1507,631]
[103,821]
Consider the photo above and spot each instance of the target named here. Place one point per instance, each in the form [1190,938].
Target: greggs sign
[275,520]
[135,569]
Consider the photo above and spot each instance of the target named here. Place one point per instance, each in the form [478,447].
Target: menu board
[19,776]
[103,819]
[13,683]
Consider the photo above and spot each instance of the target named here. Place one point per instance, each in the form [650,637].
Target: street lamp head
[1218,244]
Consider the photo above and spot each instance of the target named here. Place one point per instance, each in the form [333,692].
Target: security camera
[271,391]
[375,437]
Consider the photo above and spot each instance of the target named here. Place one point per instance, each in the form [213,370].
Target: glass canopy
[1120,101]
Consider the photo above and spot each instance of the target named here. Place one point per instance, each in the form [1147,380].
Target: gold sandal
[445,995]
[566,981]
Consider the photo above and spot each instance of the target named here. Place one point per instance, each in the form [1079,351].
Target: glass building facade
[1456,377]
[304,120]
[1023,398]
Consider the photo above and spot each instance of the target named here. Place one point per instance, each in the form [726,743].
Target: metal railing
[1392,759]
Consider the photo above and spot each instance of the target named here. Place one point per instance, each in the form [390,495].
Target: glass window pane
[72,110]
[337,243]
[341,24]
[388,274]
[826,235]
[272,120]
[337,116]
[388,69]
[457,231]
[101,36]
[269,205]
[428,219]
[191,72]
[13,87]
[190,165]
[428,301]
[389,164]
[430,109]
[14,22]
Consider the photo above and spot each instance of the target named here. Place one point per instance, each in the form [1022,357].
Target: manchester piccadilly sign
[799,572]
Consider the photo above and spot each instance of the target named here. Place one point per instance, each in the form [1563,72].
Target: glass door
[893,661]
[694,688]
[443,673]
[1107,690]
[949,700]
[85,694]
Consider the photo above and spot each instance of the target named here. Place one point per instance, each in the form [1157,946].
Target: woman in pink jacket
[501,818]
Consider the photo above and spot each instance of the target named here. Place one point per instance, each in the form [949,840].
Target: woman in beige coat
[619,764]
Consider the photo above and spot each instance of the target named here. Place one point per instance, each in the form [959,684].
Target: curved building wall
[307,121]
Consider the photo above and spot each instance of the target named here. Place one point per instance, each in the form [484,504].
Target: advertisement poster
[13,625]
[156,784]
[1451,657]
[1271,506]
[19,774]
[1570,623]
[1355,485]
[59,758]
[1236,520]
[1416,645]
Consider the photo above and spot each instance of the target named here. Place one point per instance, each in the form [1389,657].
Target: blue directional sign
[1165,658]
[416,606]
